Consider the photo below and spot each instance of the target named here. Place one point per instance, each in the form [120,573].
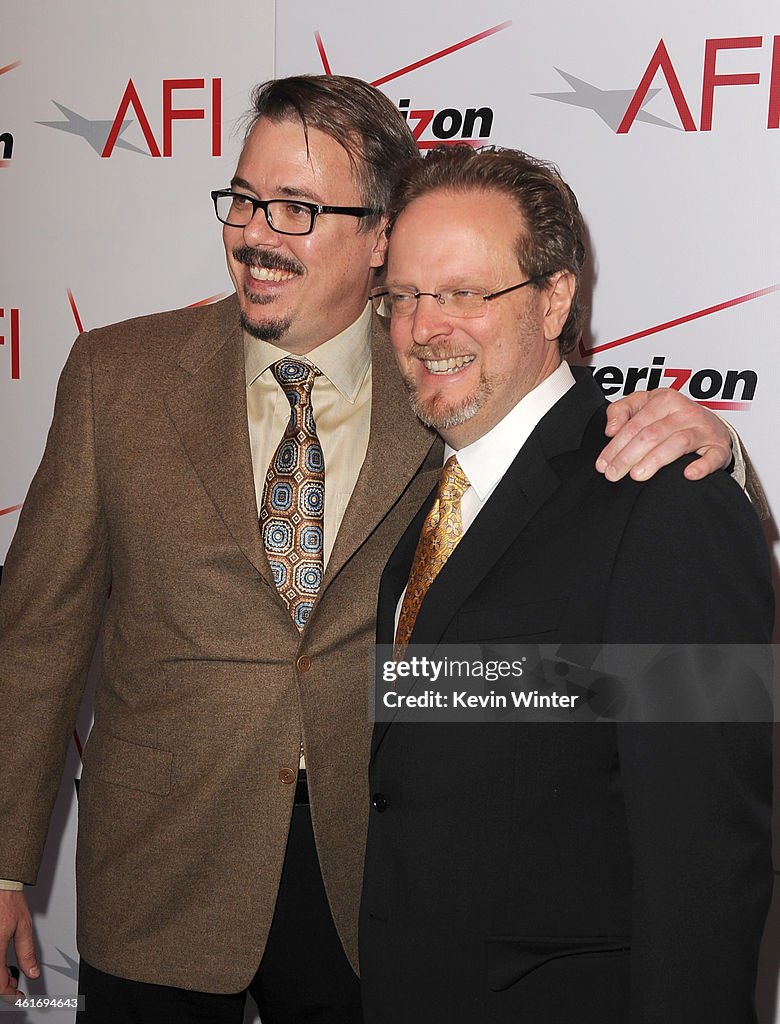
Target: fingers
[631,448]
[642,455]
[9,984]
[663,425]
[715,457]
[16,924]
[24,945]
[620,412]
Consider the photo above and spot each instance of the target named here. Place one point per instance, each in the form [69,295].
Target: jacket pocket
[531,618]
[508,960]
[132,765]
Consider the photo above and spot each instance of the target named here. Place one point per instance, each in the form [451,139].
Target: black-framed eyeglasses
[465,302]
[285,216]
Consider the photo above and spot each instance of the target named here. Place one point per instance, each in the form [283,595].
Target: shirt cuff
[738,464]
[9,885]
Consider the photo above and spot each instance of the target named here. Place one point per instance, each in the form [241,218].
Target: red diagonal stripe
[442,53]
[10,67]
[77,741]
[727,406]
[75,312]
[323,55]
[680,320]
[206,302]
[11,508]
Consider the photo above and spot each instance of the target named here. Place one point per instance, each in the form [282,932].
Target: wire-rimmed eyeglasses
[465,302]
[285,216]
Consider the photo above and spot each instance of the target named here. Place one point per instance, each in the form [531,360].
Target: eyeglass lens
[282,214]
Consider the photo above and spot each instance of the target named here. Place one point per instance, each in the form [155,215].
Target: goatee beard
[441,417]
[273,329]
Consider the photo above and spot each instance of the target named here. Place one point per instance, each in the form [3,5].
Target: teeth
[447,365]
[263,274]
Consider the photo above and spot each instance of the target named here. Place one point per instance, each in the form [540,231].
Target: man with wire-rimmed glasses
[555,868]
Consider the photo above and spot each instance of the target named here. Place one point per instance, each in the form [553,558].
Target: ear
[379,252]
[558,299]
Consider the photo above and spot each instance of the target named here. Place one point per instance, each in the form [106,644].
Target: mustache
[267,260]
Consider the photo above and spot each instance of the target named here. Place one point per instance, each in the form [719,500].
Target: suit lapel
[397,446]
[526,486]
[396,573]
[391,587]
[209,412]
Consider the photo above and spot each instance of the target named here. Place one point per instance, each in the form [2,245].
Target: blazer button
[379,802]
[303,664]
[287,776]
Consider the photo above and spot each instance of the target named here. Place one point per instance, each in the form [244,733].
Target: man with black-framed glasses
[237,475]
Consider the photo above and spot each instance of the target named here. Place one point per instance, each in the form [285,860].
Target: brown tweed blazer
[206,690]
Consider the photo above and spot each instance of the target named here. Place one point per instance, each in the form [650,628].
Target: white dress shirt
[485,460]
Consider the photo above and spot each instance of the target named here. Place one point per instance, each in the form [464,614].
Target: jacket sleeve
[55,581]
[693,569]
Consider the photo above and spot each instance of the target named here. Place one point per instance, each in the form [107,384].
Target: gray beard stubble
[449,417]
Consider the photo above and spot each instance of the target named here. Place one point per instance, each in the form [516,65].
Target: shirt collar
[344,360]
[485,460]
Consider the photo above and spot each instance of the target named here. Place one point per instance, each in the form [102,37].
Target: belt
[301,788]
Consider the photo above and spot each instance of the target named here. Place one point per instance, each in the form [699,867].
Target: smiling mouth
[264,274]
[445,366]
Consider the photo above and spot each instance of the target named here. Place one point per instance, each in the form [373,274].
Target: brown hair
[554,232]
[359,117]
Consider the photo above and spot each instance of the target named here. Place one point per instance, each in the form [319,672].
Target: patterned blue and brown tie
[291,516]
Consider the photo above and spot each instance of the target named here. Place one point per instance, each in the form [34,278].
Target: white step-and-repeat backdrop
[117,120]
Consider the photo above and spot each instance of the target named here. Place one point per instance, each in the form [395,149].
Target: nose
[429,320]
[258,232]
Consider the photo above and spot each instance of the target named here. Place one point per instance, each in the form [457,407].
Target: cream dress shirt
[341,403]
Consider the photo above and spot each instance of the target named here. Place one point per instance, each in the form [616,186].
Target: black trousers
[304,975]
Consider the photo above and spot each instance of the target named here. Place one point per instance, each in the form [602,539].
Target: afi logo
[620,108]
[448,125]
[105,136]
[10,326]
[170,113]
[709,387]
[711,80]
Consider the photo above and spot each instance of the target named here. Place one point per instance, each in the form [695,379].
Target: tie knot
[295,378]
[453,482]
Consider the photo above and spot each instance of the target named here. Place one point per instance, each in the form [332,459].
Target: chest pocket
[529,620]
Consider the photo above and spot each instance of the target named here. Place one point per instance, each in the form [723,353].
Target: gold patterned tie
[440,535]
[291,515]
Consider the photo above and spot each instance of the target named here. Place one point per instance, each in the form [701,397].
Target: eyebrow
[286,190]
[450,286]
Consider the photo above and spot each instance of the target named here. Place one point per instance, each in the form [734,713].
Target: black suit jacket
[559,873]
